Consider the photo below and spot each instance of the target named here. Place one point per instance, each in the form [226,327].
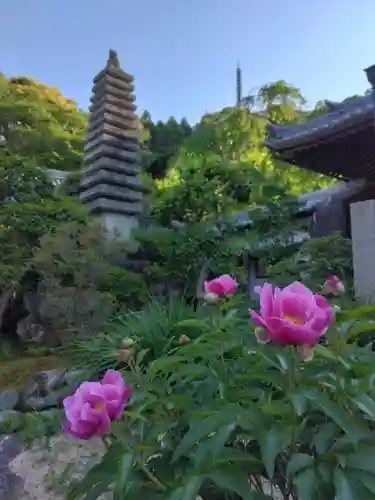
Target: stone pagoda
[111,186]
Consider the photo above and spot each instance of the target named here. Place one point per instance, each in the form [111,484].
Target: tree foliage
[162,141]
[40,124]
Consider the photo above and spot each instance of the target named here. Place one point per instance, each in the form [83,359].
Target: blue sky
[183,53]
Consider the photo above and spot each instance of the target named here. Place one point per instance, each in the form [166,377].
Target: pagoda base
[119,227]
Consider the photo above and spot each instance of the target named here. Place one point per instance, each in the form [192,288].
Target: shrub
[214,415]
[128,288]
[72,267]
[314,260]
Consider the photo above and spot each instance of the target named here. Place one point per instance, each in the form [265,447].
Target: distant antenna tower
[238,86]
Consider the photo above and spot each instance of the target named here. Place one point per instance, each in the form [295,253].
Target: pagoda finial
[238,85]
[113,59]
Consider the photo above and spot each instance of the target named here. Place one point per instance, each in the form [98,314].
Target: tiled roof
[342,115]
[308,202]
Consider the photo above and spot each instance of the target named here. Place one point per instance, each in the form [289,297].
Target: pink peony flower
[333,286]
[116,392]
[91,408]
[292,316]
[223,286]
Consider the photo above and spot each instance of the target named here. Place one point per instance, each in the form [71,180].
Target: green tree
[37,122]
[238,134]
[279,102]
[162,140]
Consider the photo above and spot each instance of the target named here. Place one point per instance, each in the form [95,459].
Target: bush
[216,415]
[72,267]
[128,288]
[315,260]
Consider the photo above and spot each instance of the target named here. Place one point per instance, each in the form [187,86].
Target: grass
[15,372]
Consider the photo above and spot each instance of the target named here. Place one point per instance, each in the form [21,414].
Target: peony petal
[229,284]
[277,304]
[266,300]
[298,288]
[286,332]
[213,286]
[89,389]
[296,305]
[319,322]
[104,425]
[257,319]
[81,429]
[91,414]
[113,377]
[322,303]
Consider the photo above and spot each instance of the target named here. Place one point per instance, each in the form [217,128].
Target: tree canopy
[199,171]
[38,123]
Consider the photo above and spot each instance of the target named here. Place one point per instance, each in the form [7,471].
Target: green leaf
[233,482]
[334,411]
[323,352]
[298,462]
[141,356]
[325,437]
[98,479]
[214,445]
[365,404]
[368,480]
[165,364]
[196,324]
[342,486]
[189,491]
[306,483]
[124,469]
[358,313]
[270,446]
[360,328]
[362,460]
[235,455]
[299,403]
[200,430]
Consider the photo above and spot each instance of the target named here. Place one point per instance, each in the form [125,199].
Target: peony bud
[211,298]
[127,343]
[224,286]
[125,355]
[184,339]
[333,286]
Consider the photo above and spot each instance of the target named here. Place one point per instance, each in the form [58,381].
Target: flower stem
[151,477]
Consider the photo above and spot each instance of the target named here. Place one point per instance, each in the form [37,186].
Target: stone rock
[43,383]
[9,399]
[29,331]
[10,485]
[31,301]
[9,418]
[40,403]
[73,378]
[50,380]
[10,446]
[30,388]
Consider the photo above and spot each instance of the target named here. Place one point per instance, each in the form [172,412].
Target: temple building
[340,144]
